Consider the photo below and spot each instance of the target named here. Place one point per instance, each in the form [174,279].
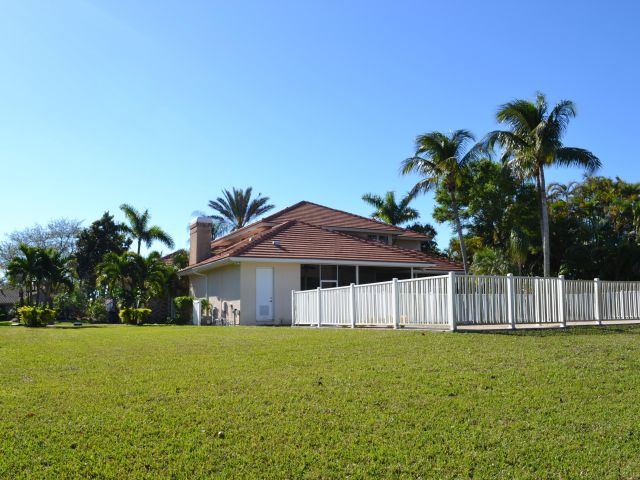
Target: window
[346,275]
[309,277]
[328,276]
[378,238]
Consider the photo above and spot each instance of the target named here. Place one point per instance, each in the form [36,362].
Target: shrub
[35,316]
[134,316]
[98,310]
[184,308]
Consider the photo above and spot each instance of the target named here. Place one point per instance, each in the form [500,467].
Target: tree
[133,279]
[237,208]
[532,142]
[59,234]
[388,210]
[139,230]
[440,160]
[94,242]
[40,272]
[429,246]
[490,261]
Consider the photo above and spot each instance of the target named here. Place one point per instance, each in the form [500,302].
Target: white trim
[310,261]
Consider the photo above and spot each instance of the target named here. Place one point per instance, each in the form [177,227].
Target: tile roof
[294,239]
[9,296]
[325,217]
[330,217]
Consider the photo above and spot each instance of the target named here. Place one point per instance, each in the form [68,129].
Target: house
[248,275]
[9,297]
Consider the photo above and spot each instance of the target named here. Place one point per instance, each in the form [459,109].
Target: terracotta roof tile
[295,239]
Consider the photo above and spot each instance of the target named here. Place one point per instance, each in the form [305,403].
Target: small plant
[36,316]
[205,307]
[134,316]
[184,307]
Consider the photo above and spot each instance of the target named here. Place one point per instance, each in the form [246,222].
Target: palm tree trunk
[139,242]
[544,224]
[456,218]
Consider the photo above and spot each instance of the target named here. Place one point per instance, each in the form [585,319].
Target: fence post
[352,304]
[561,319]
[319,307]
[395,304]
[451,286]
[293,307]
[511,314]
[596,298]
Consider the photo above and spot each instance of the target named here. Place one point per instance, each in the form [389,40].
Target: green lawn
[145,402]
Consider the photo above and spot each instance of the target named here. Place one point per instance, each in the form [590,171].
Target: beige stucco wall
[223,287]
[408,244]
[286,277]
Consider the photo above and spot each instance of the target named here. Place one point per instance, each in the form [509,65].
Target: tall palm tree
[237,208]
[532,142]
[388,210]
[139,230]
[440,160]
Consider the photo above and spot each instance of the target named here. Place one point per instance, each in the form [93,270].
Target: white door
[264,294]
[196,312]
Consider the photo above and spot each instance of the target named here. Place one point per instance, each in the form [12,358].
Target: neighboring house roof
[9,296]
[294,239]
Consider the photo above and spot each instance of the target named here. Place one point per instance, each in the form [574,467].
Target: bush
[98,310]
[134,316]
[36,316]
[184,308]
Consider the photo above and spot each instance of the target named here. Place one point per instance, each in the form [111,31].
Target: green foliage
[205,306]
[36,316]
[490,261]
[139,230]
[101,237]
[184,309]
[41,272]
[595,229]
[533,142]
[98,310]
[388,210]
[441,162]
[71,304]
[134,316]
[237,208]
[134,279]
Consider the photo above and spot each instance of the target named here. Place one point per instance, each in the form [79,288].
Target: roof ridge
[370,219]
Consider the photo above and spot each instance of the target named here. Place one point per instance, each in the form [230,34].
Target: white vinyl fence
[468,300]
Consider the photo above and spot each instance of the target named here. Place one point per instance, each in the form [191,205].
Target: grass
[145,402]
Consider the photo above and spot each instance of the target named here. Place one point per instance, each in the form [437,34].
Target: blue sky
[163,104]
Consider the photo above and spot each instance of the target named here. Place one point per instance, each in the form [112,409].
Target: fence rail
[468,300]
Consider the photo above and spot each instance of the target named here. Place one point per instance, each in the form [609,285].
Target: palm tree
[117,273]
[560,191]
[440,160]
[388,210]
[237,208]
[532,142]
[24,270]
[139,229]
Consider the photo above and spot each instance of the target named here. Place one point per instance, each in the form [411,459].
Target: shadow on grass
[581,330]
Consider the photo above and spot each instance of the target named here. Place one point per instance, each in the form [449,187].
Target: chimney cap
[206,220]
